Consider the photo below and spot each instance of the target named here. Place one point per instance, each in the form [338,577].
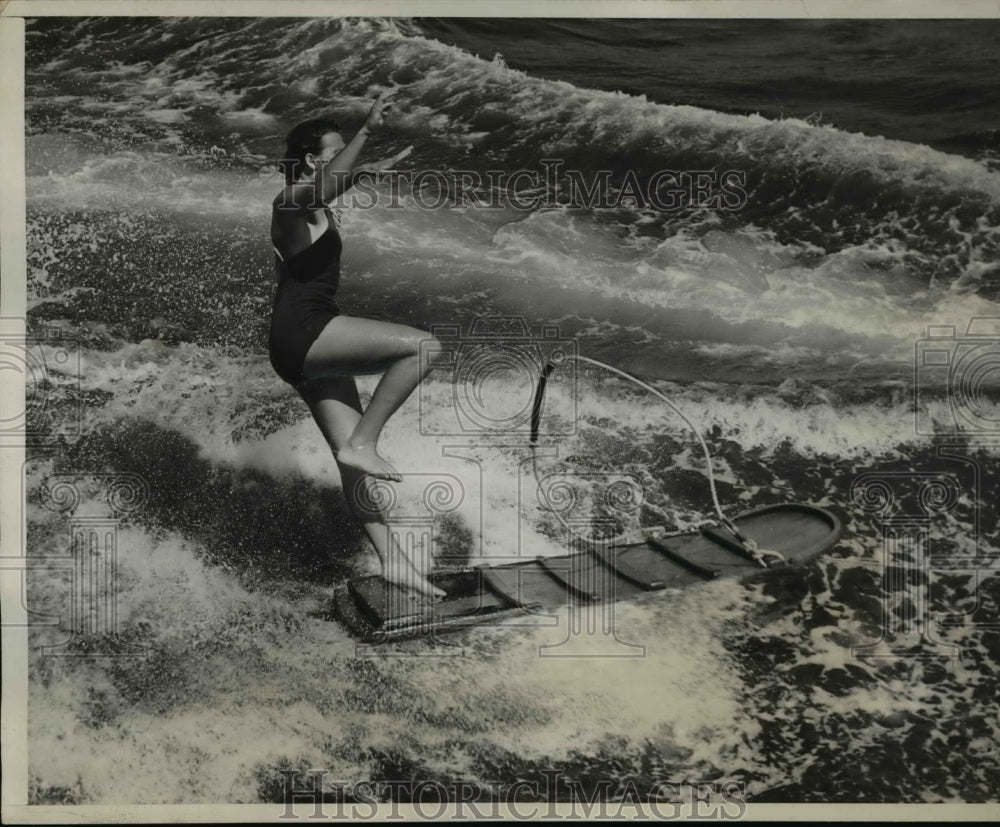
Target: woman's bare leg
[337,410]
[352,346]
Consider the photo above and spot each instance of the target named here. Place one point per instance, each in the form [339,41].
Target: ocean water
[791,326]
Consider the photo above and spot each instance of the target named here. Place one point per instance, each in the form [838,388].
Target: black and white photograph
[520,413]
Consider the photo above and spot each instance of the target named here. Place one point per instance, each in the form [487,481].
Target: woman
[318,350]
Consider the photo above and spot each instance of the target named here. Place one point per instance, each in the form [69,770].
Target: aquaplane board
[376,611]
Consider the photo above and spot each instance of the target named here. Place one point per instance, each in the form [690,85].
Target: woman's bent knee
[431,350]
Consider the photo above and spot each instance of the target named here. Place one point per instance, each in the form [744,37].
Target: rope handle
[536,405]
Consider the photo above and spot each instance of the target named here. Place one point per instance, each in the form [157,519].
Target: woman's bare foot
[366,459]
[400,569]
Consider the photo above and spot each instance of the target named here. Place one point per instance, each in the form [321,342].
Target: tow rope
[758,555]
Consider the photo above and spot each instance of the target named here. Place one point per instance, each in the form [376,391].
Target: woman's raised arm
[335,176]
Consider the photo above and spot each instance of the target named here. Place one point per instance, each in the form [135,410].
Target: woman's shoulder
[294,226]
[297,200]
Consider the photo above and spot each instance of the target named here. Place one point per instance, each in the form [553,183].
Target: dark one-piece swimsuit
[303,303]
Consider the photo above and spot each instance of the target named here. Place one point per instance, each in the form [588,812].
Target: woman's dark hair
[305,138]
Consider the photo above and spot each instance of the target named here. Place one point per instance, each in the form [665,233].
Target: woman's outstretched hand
[383,103]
